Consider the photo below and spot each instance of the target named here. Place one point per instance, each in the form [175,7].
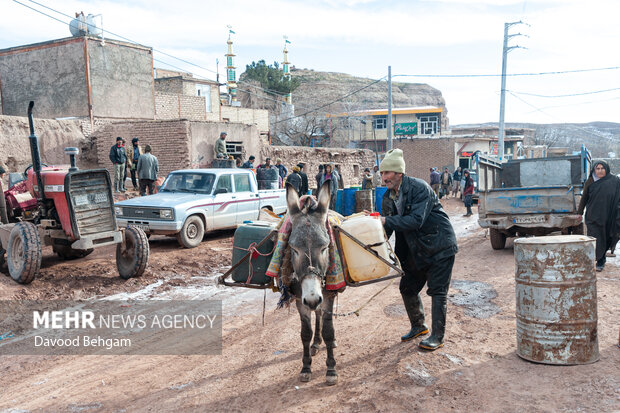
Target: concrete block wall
[170,141]
[192,107]
[422,154]
[258,117]
[166,106]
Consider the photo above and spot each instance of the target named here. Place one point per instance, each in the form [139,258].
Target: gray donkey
[309,244]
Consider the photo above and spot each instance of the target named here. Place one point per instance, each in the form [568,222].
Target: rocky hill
[600,138]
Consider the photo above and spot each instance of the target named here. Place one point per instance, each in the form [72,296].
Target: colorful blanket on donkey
[334,278]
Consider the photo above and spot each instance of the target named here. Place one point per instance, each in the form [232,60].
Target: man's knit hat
[393,162]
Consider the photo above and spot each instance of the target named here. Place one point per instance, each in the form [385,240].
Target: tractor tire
[192,233]
[67,253]
[498,239]
[24,253]
[132,260]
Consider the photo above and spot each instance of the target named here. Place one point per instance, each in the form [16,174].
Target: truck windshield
[188,182]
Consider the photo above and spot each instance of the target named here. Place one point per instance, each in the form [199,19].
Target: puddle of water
[475,297]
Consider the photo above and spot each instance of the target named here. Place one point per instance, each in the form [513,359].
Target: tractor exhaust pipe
[34,152]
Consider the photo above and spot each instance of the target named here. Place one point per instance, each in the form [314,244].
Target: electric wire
[133,41]
[558,72]
[537,109]
[566,95]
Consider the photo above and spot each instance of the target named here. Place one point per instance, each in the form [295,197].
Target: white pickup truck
[192,201]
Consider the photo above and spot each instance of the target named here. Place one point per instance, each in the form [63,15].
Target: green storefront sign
[406,128]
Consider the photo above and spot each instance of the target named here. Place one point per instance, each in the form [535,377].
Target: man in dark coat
[601,200]
[425,246]
[295,180]
[304,179]
[318,178]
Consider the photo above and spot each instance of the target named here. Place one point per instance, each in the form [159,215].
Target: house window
[205,91]
[379,121]
[429,125]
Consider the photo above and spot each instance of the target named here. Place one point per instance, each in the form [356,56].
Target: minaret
[286,70]
[231,77]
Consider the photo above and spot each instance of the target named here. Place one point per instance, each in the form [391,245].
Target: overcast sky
[364,37]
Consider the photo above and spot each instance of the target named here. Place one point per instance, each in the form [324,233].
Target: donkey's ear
[292,199]
[324,196]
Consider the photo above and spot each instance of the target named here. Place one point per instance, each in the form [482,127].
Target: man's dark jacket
[117,154]
[423,229]
[304,183]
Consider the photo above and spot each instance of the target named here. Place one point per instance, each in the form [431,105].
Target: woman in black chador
[601,199]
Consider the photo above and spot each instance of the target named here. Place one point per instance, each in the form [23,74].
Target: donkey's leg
[306,336]
[330,338]
[316,343]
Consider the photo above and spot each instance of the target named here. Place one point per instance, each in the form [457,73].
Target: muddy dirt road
[477,370]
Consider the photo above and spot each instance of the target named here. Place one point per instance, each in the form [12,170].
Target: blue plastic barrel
[339,202]
[349,201]
[379,192]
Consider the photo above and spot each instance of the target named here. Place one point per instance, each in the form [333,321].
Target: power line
[566,95]
[133,41]
[537,109]
[332,102]
[518,74]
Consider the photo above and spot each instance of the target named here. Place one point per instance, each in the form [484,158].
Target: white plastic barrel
[362,264]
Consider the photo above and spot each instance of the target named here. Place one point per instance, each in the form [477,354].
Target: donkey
[309,243]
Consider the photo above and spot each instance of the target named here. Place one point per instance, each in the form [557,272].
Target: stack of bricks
[422,154]
[169,141]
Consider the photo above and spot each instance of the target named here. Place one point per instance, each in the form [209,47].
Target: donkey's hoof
[335,344]
[331,380]
[305,377]
[314,350]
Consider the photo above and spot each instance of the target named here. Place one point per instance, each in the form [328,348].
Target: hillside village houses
[110,88]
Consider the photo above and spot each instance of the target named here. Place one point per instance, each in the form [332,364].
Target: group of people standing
[143,166]
[460,180]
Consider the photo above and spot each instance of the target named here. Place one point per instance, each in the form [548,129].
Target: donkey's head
[309,243]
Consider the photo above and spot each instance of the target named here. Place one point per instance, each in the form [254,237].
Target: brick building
[177,143]
[78,77]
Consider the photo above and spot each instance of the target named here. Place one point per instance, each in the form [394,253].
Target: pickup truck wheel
[498,239]
[24,252]
[133,256]
[577,229]
[192,232]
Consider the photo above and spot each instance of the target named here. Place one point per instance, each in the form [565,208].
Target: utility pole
[502,99]
[389,118]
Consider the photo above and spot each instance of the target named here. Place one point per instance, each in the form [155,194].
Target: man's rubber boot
[435,341]
[469,213]
[415,311]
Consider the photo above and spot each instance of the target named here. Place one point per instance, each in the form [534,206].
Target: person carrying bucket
[425,246]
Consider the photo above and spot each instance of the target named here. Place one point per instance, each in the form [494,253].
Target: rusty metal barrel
[556,299]
[363,200]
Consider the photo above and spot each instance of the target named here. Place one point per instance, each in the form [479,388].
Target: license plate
[143,227]
[530,219]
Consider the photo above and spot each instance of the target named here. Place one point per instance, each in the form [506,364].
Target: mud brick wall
[422,154]
[351,161]
[192,107]
[170,141]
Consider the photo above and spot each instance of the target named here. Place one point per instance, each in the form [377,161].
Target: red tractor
[72,210]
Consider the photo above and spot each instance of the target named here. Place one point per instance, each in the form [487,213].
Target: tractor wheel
[498,239]
[67,253]
[192,232]
[132,255]
[24,252]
